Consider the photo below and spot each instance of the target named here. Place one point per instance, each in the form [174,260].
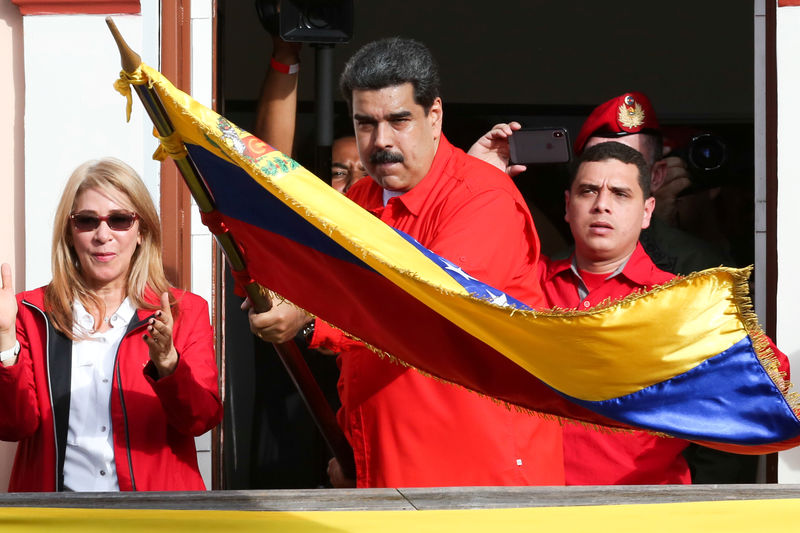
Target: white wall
[202,275]
[12,167]
[72,113]
[788,332]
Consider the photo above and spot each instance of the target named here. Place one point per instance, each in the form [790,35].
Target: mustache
[386,156]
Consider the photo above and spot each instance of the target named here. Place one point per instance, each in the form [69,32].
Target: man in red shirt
[407,429]
[630,119]
[607,206]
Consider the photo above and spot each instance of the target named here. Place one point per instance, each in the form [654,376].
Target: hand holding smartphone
[530,146]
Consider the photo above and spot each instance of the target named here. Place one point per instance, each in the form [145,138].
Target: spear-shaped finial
[130,59]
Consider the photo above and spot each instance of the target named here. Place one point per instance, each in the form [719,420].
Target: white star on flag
[457,269]
[498,299]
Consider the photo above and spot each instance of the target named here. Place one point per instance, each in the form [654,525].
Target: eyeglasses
[116,221]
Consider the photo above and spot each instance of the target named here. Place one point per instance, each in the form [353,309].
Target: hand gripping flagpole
[289,353]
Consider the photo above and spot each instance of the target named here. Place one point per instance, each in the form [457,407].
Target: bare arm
[277,104]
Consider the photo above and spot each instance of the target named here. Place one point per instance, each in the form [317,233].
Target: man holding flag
[405,428]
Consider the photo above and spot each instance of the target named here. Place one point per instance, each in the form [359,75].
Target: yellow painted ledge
[728,516]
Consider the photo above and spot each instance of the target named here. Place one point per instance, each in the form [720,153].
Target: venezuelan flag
[686,359]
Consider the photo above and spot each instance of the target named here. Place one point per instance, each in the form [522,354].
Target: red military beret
[626,114]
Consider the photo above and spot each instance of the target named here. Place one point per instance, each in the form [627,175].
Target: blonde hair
[146,278]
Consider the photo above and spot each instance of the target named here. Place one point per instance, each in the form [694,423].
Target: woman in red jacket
[107,372]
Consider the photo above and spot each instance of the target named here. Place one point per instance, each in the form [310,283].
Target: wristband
[286,69]
[305,334]
[11,353]
[308,331]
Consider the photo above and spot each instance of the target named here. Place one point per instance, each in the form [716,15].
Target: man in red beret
[628,119]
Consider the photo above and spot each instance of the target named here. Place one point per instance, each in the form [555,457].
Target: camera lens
[707,152]
[558,134]
[318,16]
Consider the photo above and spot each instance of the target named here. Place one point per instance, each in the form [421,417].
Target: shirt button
[103,429]
[586,303]
[102,472]
[105,380]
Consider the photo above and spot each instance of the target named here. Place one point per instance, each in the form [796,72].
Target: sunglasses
[115,221]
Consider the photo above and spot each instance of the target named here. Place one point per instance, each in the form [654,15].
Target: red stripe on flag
[405,327]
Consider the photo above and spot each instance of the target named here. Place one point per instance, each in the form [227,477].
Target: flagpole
[289,353]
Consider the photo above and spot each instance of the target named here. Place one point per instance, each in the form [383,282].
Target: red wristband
[286,69]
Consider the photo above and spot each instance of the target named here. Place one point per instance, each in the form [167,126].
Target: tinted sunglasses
[116,221]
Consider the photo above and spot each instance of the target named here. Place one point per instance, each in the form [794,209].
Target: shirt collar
[120,318]
[414,200]
[388,195]
[637,268]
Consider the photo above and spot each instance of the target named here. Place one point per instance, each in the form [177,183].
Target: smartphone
[532,146]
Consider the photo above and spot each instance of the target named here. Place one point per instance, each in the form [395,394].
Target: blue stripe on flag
[475,287]
[237,195]
[719,400]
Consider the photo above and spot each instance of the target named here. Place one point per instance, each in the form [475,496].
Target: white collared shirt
[89,461]
[388,195]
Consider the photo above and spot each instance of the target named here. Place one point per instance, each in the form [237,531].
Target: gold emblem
[630,116]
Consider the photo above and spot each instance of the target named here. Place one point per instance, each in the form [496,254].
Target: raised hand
[8,309]
[670,177]
[159,339]
[493,148]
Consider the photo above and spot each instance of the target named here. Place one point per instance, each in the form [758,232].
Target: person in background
[276,116]
[287,450]
[108,373]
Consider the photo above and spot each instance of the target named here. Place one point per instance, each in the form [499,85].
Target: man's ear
[649,206]
[657,175]
[435,117]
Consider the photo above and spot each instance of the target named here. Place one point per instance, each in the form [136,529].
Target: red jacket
[154,421]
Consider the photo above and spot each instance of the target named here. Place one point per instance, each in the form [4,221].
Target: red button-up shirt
[410,430]
[592,457]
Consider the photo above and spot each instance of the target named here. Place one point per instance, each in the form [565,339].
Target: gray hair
[391,62]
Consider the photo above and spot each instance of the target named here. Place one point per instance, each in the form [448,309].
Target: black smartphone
[532,146]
